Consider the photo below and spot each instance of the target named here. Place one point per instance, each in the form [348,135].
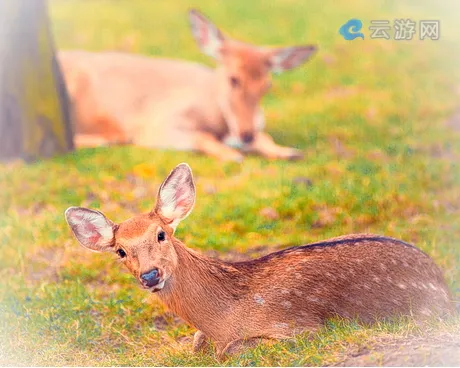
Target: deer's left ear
[176,196]
[287,58]
[209,38]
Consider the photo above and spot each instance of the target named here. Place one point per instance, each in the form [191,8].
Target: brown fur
[361,276]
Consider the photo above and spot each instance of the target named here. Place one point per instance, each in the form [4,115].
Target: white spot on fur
[394,261]
[425,311]
[402,286]
[383,267]
[376,279]
[432,286]
[367,286]
[281,325]
[298,292]
[284,291]
[286,304]
[258,299]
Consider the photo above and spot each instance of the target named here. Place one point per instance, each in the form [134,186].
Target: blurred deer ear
[91,228]
[206,34]
[176,196]
[289,57]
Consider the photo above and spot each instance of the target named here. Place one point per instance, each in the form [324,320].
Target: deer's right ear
[91,228]
[176,196]
[206,34]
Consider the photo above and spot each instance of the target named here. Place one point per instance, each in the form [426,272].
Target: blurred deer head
[244,74]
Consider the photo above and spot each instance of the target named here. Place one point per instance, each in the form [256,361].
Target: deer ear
[290,57]
[176,196]
[91,228]
[206,34]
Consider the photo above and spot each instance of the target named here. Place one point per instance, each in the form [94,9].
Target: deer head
[144,243]
[244,74]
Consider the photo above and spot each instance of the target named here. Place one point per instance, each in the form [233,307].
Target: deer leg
[264,145]
[90,140]
[200,342]
[209,145]
[182,138]
[237,347]
[94,140]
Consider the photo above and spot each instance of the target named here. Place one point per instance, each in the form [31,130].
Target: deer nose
[247,137]
[150,278]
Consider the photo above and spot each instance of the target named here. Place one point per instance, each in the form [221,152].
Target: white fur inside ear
[92,229]
[290,57]
[206,34]
[177,195]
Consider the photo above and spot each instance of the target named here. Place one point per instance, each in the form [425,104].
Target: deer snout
[247,137]
[151,278]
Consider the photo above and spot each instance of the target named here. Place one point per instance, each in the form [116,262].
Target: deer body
[151,102]
[360,276]
[120,98]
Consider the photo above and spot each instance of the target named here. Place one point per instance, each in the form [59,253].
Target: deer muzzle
[151,278]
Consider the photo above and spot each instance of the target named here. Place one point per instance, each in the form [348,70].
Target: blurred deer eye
[121,253]
[235,82]
[161,236]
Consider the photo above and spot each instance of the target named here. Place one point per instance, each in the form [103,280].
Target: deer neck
[202,290]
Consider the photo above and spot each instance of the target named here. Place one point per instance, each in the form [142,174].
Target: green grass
[370,116]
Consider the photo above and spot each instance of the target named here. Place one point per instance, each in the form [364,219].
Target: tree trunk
[34,105]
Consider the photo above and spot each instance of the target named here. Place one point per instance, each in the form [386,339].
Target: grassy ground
[373,118]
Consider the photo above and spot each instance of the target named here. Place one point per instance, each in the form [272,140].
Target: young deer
[295,290]
[172,104]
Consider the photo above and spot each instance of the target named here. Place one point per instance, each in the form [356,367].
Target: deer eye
[121,253]
[235,82]
[161,236]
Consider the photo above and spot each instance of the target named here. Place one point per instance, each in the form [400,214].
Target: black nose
[247,137]
[150,278]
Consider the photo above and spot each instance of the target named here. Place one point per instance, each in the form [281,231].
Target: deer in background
[161,103]
[291,291]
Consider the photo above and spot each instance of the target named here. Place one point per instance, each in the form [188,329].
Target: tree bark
[35,118]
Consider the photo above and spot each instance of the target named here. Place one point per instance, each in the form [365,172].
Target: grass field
[373,117]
